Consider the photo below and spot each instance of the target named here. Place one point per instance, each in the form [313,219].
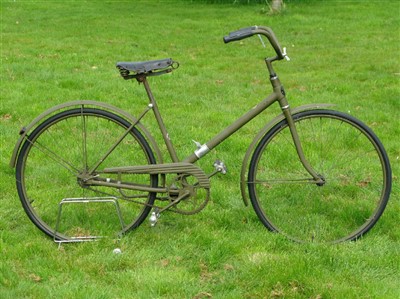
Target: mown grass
[345,53]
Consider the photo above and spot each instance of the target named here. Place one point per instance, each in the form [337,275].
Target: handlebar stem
[268,62]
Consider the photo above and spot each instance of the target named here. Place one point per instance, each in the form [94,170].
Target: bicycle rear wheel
[59,151]
[345,153]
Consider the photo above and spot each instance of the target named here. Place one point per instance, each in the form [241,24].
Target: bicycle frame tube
[278,95]
[160,121]
[208,146]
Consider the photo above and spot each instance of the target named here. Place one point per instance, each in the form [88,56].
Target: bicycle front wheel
[345,153]
[62,149]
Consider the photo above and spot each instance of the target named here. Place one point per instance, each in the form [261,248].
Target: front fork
[295,136]
[281,97]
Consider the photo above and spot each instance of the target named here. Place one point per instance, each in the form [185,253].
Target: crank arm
[176,201]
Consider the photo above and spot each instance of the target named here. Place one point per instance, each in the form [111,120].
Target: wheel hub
[321,181]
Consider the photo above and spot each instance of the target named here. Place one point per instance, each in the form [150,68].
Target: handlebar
[250,31]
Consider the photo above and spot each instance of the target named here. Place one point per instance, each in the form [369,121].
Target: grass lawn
[342,52]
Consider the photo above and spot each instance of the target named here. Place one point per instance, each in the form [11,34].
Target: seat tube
[160,122]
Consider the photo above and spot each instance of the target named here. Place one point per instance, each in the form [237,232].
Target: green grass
[345,53]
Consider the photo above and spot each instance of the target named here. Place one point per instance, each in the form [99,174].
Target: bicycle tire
[350,158]
[67,144]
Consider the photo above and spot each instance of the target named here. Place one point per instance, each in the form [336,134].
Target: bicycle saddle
[145,67]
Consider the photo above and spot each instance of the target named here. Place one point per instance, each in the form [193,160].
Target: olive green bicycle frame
[278,95]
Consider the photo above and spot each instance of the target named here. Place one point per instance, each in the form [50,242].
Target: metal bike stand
[113,200]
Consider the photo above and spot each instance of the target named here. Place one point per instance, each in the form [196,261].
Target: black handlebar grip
[250,31]
[239,34]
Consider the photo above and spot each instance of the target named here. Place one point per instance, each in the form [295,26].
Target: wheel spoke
[284,181]
[53,165]
[84,141]
[53,155]
[351,162]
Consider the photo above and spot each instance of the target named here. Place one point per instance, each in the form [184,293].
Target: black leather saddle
[146,68]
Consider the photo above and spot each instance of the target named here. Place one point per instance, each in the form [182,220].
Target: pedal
[155,215]
[220,166]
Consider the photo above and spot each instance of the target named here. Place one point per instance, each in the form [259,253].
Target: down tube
[244,119]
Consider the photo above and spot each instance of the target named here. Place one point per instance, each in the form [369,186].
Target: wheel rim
[49,163]
[356,173]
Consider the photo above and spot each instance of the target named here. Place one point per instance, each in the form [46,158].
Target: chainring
[197,199]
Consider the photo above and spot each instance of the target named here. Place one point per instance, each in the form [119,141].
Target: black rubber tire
[53,155]
[341,149]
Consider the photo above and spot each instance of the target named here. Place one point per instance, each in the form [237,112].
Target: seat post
[160,122]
